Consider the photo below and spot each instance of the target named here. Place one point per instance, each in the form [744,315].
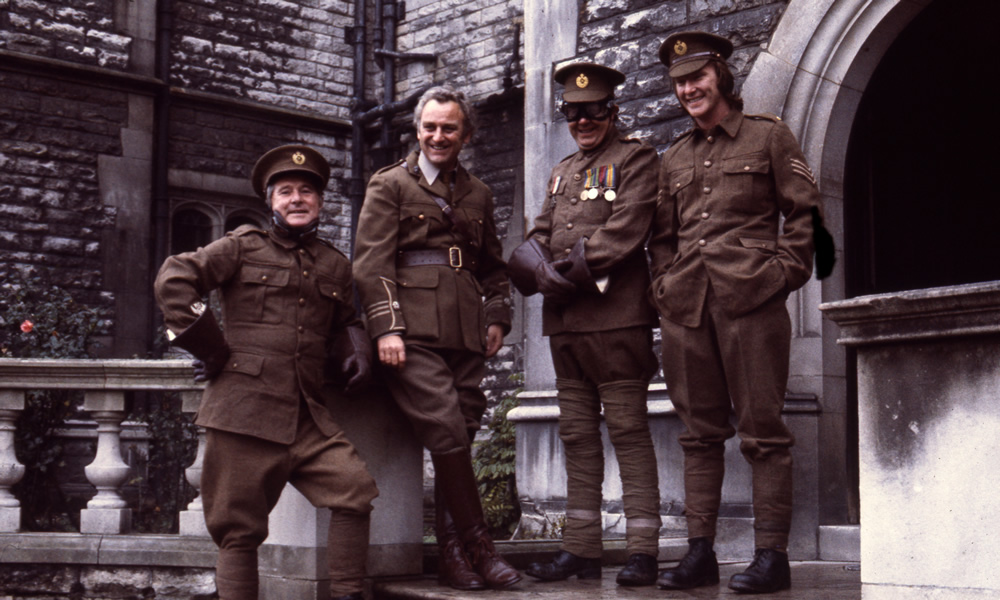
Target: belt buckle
[455,257]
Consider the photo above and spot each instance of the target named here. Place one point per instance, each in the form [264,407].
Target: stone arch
[813,74]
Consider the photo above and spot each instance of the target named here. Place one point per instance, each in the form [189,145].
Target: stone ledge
[124,550]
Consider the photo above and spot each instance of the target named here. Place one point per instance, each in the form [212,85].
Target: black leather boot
[769,572]
[639,570]
[565,565]
[698,567]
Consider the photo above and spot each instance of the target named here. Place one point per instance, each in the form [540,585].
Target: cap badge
[582,81]
[680,48]
[298,158]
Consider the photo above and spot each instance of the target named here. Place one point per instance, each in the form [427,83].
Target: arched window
[190,230]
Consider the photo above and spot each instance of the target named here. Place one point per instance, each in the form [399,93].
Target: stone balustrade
[292,559]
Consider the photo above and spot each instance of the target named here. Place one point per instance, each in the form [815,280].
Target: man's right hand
[392,351]
[209,369]
[553,286]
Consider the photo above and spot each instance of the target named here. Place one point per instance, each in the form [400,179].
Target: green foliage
[163,490]
[38,320]
[494,463]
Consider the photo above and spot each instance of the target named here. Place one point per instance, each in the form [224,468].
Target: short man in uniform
[426,255]
[723,266]
[586,255]
[287,302]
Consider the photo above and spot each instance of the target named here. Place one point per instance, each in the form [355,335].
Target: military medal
[593,182]
[609,179]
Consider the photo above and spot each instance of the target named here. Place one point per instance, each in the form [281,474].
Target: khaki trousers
[726,365]
[242,479]
[612,369]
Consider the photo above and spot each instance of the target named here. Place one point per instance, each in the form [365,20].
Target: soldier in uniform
[426,255]
[723,266]
[287,302]
[586,256]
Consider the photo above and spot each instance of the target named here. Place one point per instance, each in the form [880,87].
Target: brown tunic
[616,232]
[281,306]
[433,305]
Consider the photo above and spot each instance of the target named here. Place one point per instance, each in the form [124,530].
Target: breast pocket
[415,220]
[747,182]
[417,288]
[259,292]
[333,293]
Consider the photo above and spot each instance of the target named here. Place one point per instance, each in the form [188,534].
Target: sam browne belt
[452,257]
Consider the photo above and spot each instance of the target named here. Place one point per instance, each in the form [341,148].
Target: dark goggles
[594,111]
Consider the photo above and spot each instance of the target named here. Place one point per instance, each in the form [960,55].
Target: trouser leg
[579,430]
[625,413]
[347,552]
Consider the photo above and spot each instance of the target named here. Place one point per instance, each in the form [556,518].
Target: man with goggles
[586,256]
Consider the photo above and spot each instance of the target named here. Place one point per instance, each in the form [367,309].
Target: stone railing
[292,559]
[104,384]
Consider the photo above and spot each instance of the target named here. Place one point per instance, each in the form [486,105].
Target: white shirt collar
[430,171]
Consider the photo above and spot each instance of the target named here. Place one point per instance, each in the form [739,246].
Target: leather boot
[462,498]
[769,572]
[454,568]
[639,570]
[565,565]
[698,567]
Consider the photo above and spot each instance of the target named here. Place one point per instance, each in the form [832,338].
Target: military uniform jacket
[717,218]
[616,230]
[281,306]
[433,305]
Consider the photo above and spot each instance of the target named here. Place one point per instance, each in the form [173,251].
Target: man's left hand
[494,339]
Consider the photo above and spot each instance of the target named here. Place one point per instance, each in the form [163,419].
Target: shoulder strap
[458,223]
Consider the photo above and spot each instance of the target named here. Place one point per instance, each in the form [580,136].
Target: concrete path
[810,581]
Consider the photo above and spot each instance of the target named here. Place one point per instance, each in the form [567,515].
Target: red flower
[27,326]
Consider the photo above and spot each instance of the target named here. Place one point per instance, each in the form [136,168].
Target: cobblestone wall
[51,135]
[277,52]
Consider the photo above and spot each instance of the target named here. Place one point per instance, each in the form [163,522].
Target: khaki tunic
[281,306]
[616,232]
[717,218]
[436,306]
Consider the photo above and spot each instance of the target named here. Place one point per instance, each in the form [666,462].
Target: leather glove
[523,263]
[554,287]
[357,363]
[823,245]
[574,267]
[209,367]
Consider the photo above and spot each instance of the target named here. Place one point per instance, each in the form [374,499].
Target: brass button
[746,167]
[704,215]
[420,217]
[236,364]
[677,185]
[573,200]
[569,226]
[302,250]
[305,274]
[568,250]
[301,329]
[708,163]
[335,294]
[710,139]
[707,189]
[577,177]
[263,277]
[702,242]
[395,305]
[302,301]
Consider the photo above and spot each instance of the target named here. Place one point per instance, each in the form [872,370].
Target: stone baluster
[192,520]
[11,471]
[106,512]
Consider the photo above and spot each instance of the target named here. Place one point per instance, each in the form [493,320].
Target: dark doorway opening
[922,206]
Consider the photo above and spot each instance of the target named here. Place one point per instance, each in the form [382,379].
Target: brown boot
[454,568]
[458,485]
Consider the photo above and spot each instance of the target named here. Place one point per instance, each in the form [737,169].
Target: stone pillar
[928,390]
[106,512]
[11,471]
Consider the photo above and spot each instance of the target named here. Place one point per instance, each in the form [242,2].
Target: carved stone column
[106,512]
[11,471]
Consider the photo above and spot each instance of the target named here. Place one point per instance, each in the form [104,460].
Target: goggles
[594,111]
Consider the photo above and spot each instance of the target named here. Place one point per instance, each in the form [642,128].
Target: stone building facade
[127,123]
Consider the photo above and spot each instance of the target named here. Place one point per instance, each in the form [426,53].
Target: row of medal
[599,180]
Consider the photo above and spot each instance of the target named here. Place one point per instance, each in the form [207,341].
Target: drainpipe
[356,193]
[161,143]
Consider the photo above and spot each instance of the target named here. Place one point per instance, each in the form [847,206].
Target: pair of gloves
[532,270]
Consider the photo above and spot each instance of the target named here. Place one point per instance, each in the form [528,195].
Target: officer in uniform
[287,301]
[426,255]
[586,256]
[723,265]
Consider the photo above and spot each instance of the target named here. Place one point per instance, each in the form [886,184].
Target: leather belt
[452,257]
